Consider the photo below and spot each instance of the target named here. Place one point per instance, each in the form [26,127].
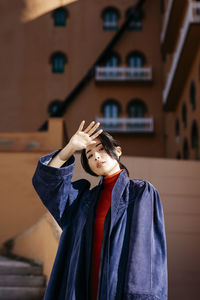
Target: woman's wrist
[66,152]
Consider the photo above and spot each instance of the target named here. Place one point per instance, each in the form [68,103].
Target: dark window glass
[184,115]
[193,95]
[178,156]
[110,18]
[136,60]
[185,150]
[58,63]
[195,139]
[136,20]
[177,131]
[111,110]
[55,109]
[112,62]
[60,17]
[136,109]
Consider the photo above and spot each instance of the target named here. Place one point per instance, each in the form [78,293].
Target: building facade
[54,52]
[181,51]
[72,61]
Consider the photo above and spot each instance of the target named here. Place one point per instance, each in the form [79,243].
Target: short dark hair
[109,144]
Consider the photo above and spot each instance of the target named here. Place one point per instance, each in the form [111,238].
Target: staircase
[21,280]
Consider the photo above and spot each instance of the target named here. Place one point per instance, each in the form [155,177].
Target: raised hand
[82,138]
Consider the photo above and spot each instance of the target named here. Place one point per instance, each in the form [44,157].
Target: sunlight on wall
[36,8]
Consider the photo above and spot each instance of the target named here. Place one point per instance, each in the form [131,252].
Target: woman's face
[100,162]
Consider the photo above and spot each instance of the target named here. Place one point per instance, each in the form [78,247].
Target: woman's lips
[99,164]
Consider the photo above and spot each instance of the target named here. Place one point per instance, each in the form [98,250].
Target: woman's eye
[102,148]
[89,156]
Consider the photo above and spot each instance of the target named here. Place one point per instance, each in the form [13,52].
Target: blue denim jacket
[133,264]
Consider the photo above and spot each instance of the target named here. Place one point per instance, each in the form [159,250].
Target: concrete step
[21,293]
[14,267]
[22,280]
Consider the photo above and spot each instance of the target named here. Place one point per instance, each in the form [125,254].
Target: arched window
[178,155]
[135,59]
[195,138]
[193,95]
[58,61]
[136,20]
[184,115]
[112,62]
[60,16]
[177,131]
[54,108]
[110,18]
[185,149]
[111,109]
[136,109]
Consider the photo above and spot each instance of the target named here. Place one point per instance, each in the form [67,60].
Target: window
[177,131]
[184,115]
[112,62]
[185,149]
[58,61]
[193,95]
[60,16]
[54,108]
[110,18]
[136,109]
[136,20]
[111,109]
[195,139]
[178,155]
[136,59]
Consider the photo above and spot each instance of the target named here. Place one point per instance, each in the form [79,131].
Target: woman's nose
[96,156]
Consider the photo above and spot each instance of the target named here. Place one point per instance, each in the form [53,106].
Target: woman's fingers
[89,127]
[81,125]
[90,132]
[94,136]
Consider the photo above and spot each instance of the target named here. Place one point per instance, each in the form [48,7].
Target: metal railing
[123,74]
[193,16]
[127,124]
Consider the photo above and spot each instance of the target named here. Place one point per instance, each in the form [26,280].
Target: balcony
[135,125]
[123,74]
[186,50]
[172,23]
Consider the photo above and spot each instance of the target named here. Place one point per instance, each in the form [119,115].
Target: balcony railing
[193,16]
[127,124]
[123,74]
[110,25]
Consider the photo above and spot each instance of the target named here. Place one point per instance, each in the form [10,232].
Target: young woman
[113,243]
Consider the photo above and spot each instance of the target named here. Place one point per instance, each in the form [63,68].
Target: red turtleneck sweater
[102,207]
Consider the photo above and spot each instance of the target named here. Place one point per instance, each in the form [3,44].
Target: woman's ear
[118,151]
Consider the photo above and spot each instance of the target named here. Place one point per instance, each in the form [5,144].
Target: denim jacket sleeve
[56,189]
